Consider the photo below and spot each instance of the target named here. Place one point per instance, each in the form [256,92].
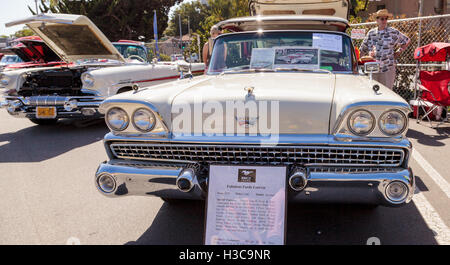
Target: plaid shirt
[385,42]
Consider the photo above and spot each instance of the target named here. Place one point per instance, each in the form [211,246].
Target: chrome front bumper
[324,185]
[66,107]
[358,184]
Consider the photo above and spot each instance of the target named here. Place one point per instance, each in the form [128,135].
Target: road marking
[4,143]
[440,181]
[432,218]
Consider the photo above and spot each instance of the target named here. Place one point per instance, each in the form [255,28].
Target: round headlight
[117,119]
[88,80]
[361,122]
[144,120]
[392,122]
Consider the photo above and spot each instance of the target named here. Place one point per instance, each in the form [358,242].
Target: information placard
[358,34]
[246,205]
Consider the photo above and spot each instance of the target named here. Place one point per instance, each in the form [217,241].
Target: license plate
[45,112]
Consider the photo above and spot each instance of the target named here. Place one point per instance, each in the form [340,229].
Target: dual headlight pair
[143,119]
[391,122]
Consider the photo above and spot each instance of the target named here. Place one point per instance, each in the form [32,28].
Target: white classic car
[46,94]
[340,135]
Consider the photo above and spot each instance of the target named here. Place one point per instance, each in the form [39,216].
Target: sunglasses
[382,18]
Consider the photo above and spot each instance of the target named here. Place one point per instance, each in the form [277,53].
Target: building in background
[6,42]
[407,8]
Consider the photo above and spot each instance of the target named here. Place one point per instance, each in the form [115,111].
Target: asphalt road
[47,196]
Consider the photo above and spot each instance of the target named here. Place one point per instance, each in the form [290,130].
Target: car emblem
[246,121]
[247,175]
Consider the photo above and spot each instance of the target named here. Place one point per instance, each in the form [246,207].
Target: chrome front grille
[260,155]
[46,100]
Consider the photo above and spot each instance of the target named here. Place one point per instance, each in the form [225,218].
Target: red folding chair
[433,88]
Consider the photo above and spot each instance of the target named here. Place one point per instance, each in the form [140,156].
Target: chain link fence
[421,31]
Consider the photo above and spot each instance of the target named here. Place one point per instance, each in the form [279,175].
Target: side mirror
[372,68]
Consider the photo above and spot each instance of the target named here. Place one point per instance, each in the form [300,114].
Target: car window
[282,50]
[128,50]
[11,59]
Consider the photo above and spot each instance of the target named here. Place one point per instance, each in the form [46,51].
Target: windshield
[10,59]
[282,51]
[128,50]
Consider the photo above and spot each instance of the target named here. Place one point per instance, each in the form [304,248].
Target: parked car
[9,59]
[340,134]
[45,95]
[177,57]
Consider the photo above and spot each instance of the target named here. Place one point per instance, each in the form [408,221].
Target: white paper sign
[246,205]
[358,34]
[296,57]
[262,58]
[328,42]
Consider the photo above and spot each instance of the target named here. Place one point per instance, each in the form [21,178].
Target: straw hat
[382,13]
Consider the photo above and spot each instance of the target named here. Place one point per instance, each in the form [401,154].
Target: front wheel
[44,122]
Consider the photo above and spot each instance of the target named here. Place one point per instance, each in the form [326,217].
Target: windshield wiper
[279,69]
[302,70]
[253,70]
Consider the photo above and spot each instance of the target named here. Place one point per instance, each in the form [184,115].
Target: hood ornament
[249,90]
[247,121]
[250,95]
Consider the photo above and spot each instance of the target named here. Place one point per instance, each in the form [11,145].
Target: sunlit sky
[16,9]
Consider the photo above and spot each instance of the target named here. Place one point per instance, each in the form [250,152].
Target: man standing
[381,43]
[207,48]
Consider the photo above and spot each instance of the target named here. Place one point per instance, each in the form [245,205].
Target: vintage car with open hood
[280,91]
[45,95]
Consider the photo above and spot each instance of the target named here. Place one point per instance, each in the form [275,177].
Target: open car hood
[338,8]
[71,37]
[33,49]
[22,51]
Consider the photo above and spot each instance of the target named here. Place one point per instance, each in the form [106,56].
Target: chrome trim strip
[283,139]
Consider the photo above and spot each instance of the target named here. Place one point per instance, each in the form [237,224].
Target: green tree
[357,6]
[23,33]
[118,19]
[195,11]
[221,10]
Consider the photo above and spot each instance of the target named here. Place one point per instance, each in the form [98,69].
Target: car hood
[71,37]
[301,103]
[34,51]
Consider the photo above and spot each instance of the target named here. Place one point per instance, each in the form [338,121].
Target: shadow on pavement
[38,143]
[430,140]
[306,224]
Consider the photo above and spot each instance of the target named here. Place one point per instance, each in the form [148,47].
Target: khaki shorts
[386,78]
